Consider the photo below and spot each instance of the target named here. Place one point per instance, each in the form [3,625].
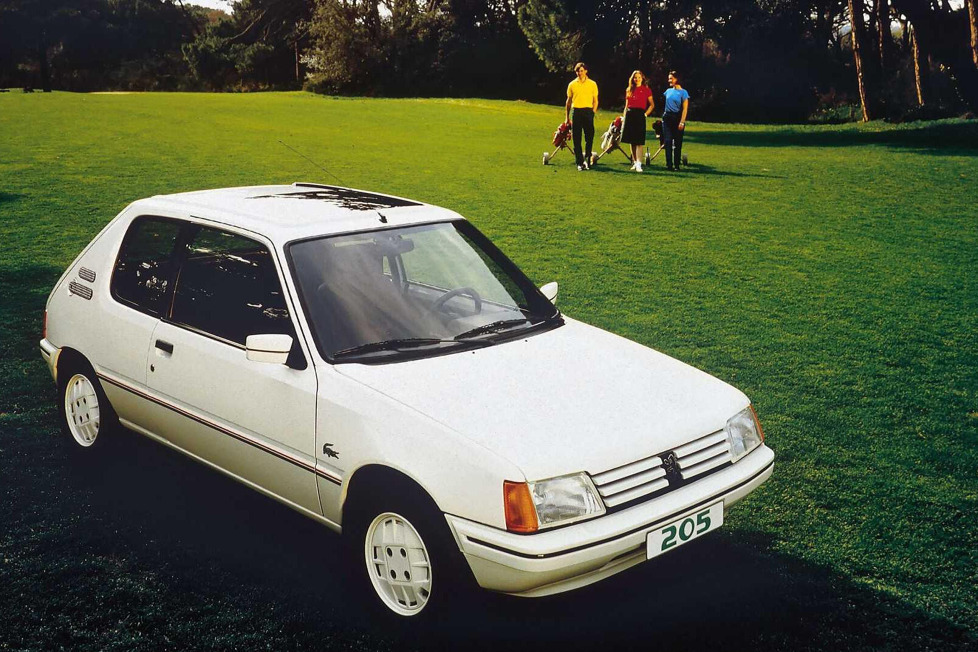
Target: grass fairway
[829,272]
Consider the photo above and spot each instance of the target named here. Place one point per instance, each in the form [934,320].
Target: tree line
[748,60]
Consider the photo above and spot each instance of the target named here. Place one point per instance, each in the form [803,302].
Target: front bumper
[570,557]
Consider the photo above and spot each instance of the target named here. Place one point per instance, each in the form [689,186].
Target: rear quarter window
[144,269]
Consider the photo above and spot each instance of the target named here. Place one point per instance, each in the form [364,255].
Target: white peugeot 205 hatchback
[379,365]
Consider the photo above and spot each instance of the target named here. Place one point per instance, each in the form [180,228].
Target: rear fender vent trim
[86,274]
[80,290]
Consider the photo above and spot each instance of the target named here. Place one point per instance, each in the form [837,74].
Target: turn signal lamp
[760,430]
[521,515]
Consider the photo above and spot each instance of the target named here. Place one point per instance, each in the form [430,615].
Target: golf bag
[561,136]
[657,128]
[611,140]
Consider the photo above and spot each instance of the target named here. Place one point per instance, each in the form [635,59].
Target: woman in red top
[638,105]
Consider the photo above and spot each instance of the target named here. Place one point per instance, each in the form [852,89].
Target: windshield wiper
[392,345]
[491,327]
[400,344]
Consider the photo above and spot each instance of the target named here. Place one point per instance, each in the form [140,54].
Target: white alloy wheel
[82,410]
[398,564]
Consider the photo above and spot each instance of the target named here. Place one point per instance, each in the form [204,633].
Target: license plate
[685,529]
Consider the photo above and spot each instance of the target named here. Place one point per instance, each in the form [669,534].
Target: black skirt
[633,132]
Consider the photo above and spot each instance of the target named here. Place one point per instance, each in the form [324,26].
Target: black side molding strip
[242,438]
[647,526]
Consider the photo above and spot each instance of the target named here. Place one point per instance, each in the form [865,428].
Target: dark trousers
[583,120]
[672,138]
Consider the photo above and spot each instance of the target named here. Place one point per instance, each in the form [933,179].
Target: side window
[228,287]
[145,265]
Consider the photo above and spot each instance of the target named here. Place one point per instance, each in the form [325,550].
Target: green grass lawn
[829,272]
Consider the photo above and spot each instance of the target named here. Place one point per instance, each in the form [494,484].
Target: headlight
[744,433]
[557,501]
[565,499]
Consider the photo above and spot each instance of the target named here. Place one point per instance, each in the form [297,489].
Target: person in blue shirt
[674,121]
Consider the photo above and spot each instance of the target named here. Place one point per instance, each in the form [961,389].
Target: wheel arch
[406,498]
[365,478]
[73,359]
[69,358]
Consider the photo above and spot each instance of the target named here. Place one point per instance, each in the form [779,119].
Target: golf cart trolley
[657,128]
[611,140]
[561,138]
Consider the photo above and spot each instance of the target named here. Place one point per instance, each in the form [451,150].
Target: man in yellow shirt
[582,96]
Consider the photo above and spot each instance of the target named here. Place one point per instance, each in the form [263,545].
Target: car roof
[300,210]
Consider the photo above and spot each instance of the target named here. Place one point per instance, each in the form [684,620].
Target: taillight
[521,515]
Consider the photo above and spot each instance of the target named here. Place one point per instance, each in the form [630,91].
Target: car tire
[86,416]
[405,562]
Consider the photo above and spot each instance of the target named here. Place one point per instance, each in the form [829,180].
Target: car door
[255,420]
[142,275]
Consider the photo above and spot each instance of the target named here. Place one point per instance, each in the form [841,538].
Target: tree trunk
[973,20]
[871,35]
[858,31]
[42,57]
[944,38]
[920,68]
[643,31]
[885,35]
[821,19]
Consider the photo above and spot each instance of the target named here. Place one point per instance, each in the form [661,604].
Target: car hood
[572,399]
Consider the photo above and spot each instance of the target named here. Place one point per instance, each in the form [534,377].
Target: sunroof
[354,200]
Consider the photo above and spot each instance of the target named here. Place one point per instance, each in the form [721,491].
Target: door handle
[166,347]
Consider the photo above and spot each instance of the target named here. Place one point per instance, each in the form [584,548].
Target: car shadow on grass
[701,169]
[23,291]
[176,556]
[8,197]
[943,139]
[659,172]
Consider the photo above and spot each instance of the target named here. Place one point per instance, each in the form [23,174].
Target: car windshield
[414,291]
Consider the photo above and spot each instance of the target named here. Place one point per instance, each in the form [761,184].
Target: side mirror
[268,348]
[550,291]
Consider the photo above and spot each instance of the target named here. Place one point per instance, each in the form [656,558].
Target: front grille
[635,480]
[647,477]
[703,454]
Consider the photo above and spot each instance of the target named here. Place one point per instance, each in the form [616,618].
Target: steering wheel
[451,294]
